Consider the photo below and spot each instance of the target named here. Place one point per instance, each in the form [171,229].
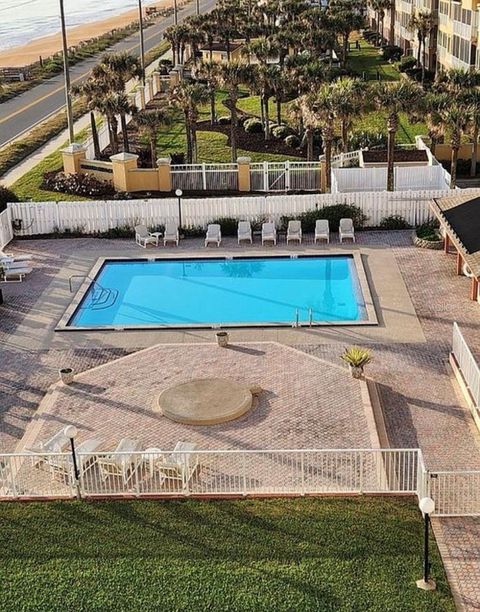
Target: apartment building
[453,41]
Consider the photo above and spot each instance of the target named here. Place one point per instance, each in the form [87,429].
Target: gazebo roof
[460,216]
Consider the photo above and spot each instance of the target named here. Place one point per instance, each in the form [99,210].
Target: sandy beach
[48,45]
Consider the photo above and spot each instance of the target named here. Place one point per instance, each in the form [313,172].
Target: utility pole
[175,12]
[66,71]
[198,6]
[142,40]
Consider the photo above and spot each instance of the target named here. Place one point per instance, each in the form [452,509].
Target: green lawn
[368,60]
[357,554]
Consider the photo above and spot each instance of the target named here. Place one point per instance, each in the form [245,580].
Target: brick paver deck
[422,406]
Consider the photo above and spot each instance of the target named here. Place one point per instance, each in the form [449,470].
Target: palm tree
[434,103]
[188,97]
[304,109]
[116,69]
[347,17]
[380,6]
[349,101]
[456,119]
[324,109]
[232,75]
[149,122]
[395,98]
[116,104]
[92,90]
[208,71]
[472,99]
[423,24]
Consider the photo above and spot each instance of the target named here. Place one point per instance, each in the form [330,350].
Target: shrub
[292,141]
[332,213]
[281,132]
[6,196]
[406,63]
[428,231]
[366,140]
[394,222]
[225,120]
[416,74]
[253,126]
[228,225]
[194,232]
[356,356]
[177,158]
[77,184]
[392,52]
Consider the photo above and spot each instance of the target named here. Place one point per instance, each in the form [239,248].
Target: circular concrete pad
[205,401]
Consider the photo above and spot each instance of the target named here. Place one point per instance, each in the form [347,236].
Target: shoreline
[30,52]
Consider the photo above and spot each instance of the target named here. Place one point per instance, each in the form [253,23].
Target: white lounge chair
[122,466]
[322,230]
[294,231]
[63,466]
[269,233]
[214,234]
[244,231]
[180,466]
[346,229]
[56,444]
[13,273]
[12,257]
[143,237]
[171,234]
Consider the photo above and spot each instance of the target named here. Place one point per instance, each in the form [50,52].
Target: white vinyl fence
[37,218]
[212,473]
[375,179]
[467,363]
[456,493]
[6,230]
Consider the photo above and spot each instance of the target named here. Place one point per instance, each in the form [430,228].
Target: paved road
[24,112]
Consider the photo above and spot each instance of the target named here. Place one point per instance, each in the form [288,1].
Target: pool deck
[417,296]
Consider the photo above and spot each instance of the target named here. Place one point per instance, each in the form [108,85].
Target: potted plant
[67,375]
[357,358]
[222,338]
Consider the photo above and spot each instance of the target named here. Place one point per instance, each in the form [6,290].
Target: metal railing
[456,493]
[467,364]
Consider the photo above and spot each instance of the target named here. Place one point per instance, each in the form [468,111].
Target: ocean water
[250,291]
[24,20]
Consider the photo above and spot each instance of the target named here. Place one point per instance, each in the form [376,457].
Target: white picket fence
[212,472]
[205,177]
[6,230]
[375,179]
[285,176]
[467,363]
[37,218]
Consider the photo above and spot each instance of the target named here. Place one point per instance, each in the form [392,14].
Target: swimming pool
[214,292]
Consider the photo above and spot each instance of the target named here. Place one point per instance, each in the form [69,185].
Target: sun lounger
[12,257]
[56,444]
[294,231]
[269,233]
[180,465]
[322,230]
[14,274]
[122,465]
[244,231]
[63,466]
[143,237]
[214,234]
[346,229]
[171,234]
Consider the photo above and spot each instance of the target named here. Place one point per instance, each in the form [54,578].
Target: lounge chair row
[244,233]
[123,463]
[14,268]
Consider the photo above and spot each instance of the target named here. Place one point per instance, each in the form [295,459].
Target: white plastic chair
[322,230]
[171,234]
[244,231]
[294,231]
[214,234]
[144,237]
[346,229]
[269,233]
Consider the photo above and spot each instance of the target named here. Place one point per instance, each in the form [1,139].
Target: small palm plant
[357,358]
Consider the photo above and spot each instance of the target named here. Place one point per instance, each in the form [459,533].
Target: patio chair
[322,230]
[122,465]
[171,234]
[244,231]
[10,273]
[143,237]
[346,229]
[269,233]
[294,231]
[214,234]
[180,466]
[11,257]
[62,466]
[56,444]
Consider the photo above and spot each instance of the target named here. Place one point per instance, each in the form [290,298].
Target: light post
[175,12]
[142,40]
[66,71]
[427,506]
[198,7]
[71,432]
[179,194]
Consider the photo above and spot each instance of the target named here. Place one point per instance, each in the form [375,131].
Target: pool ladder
[296,322]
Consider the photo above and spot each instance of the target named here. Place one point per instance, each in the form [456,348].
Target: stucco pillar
[157,82]
[164,174]
[149,85]
[141,91]
[72,156]
[122,164]
[244,173]
[174,77]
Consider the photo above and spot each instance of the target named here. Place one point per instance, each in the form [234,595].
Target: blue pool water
[215,291]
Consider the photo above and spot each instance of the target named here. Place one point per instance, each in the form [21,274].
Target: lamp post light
[198,7]
[179,194]
[142,40]
[71,432]
[427,506]
[66,71]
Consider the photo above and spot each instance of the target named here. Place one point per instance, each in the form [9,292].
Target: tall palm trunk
[344,135]
[96,142]
[419,52]
[193,132]
[267,118]
[212,106]
[309,138]
[189,138]
[327,134]
[153,149]
[126,146]
[278,102]
[391,32]
[473,167]
[392,130]
[455,144]
[113,126]
[232,104]
[424,60]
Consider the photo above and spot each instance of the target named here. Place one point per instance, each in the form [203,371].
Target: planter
[435,245]
[356,371]
[222,339]
[67,375]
